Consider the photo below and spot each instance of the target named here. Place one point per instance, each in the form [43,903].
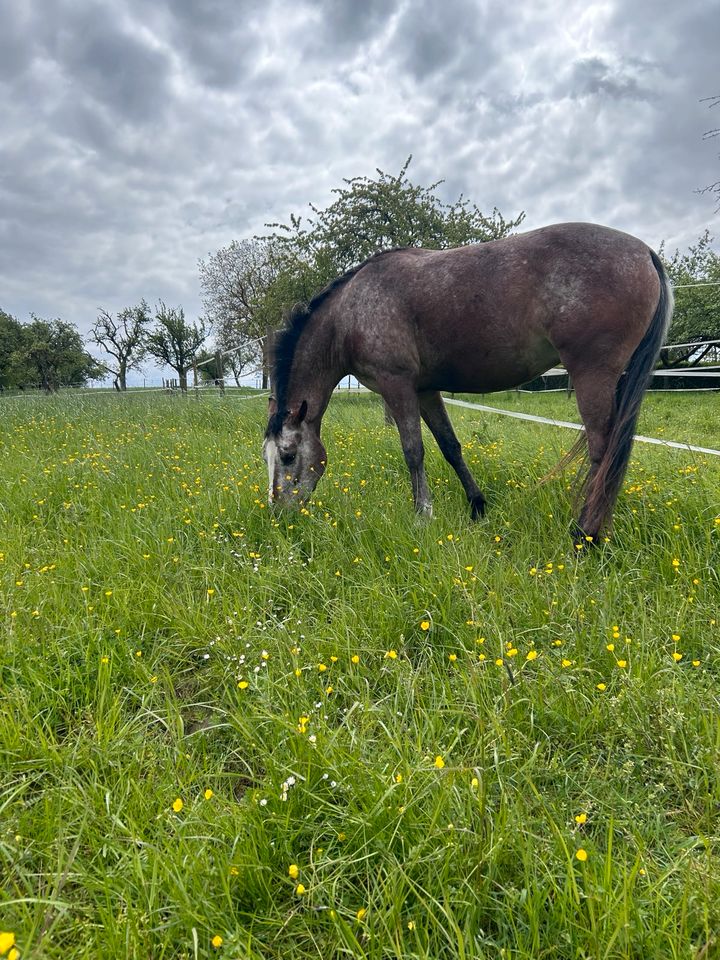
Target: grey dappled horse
[409,323]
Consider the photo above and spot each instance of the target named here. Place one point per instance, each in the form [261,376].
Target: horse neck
[317,368]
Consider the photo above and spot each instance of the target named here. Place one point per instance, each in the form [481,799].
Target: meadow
[341,732]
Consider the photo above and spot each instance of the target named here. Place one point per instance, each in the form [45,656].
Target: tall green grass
[466,740]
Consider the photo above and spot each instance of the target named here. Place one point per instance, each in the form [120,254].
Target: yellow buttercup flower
[581,855]
[7,940]
[439,762]
[178,805]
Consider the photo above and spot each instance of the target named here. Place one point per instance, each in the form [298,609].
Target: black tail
[605,484]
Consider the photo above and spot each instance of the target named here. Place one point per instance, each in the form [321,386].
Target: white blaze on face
[271,459]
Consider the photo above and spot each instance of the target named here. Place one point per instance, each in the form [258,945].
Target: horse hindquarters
[609,403]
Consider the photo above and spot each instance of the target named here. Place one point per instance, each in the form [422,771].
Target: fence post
[219,370]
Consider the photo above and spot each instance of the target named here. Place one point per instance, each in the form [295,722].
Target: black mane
[287,340]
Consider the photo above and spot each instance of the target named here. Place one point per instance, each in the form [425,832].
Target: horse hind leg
[595,394]
[436,417]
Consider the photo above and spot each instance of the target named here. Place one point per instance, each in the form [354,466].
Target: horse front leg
[404,405]
[436,417]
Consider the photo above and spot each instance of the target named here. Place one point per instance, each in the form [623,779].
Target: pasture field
[341,732]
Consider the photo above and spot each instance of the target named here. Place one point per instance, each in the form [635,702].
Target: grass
[470,740]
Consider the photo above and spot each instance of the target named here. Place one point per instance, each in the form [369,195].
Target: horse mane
[288,338]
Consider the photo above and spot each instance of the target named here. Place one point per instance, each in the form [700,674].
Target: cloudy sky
[136,137]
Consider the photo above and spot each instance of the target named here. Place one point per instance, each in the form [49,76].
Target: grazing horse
[408,323]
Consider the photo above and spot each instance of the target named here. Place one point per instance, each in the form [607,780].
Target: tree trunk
[267,358]
[122,376]
[183,380]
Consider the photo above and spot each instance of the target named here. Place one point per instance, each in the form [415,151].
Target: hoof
[582,539]
[423,512]
[477,507]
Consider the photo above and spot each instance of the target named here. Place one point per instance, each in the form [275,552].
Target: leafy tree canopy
[235,282]
[175,342]
[697,308]
[44,353]
[11,334]
[122,337]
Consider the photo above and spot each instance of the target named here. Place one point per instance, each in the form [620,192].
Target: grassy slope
[143,579]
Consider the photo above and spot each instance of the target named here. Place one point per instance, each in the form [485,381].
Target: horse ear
[272,406]
[296,417]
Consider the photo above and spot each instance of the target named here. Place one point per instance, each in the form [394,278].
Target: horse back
[491,316]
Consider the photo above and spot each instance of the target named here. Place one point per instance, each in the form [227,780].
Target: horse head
[294,455]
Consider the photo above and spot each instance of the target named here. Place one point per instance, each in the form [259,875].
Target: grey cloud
[591,76]
[219,42]
[15,46]
[432,38]
[105,62]
[349,23]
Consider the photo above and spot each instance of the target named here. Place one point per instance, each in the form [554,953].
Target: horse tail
[631,387]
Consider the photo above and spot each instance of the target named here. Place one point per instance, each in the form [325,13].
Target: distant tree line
[49,354]
[249,286]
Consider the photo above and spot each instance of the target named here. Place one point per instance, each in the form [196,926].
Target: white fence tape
[578,426]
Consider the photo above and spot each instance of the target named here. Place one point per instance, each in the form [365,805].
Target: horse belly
[475,371]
